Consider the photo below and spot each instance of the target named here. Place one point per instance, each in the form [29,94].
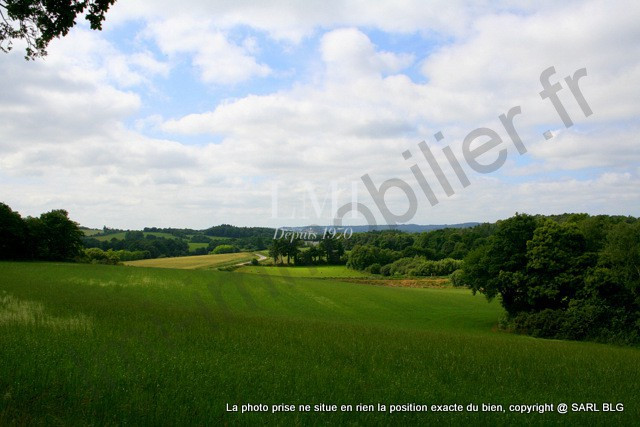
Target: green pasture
[195,262]
[322,271]
[93,344]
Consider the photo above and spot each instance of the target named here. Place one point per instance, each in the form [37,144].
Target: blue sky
[269,113]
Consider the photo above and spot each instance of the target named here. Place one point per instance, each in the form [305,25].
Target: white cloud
[608,193]
[219,60]
[349,54]
[48,104]
[359,121]
[66,142]
[149,64]
[292,21]
[569,150]
[500,63]
[84,52]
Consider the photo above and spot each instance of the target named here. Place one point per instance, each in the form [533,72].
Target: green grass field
[196,262]
[90,231]
[194,246]
[120,236]
[91,344]
[324,271]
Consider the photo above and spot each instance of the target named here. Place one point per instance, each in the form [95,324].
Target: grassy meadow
[194,246]
[196,262]
[323,271]
[121,235]
[90,231]
[93,344]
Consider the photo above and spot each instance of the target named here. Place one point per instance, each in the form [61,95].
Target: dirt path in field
[435,282]
[260,258]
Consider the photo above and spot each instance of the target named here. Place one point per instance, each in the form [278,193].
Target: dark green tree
[332,249]
[314,253]
[278,249]
[498,268]
[37,22]
[135,235]
[361,257]
[621,254]
[13,234]
[54,237]
[61,236]
[274,251]
[292,249]
[556,264]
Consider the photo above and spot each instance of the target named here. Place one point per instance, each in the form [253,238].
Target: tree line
[567,277]
[430,253]
[137,245]
[52,236]
[325,251]
[218,239]
[434,245]
[570,276]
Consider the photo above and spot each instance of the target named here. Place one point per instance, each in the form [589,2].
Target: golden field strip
[198,262]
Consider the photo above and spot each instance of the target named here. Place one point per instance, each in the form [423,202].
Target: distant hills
[230,231]
[408,228]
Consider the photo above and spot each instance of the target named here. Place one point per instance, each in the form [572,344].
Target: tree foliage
[224,249]
[136,242]
[362,257]
[570,276]
[58,238]
[37,22]
[13,234]
[52,236]
[431,253]
[420,267]
[327,251]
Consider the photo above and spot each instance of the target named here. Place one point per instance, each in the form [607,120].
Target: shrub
[373,268]
[457,278]
[125,255]
[224,249]
[200,251]
[419,266]
[98,256]
[544,324]
[385,270]
[362,257]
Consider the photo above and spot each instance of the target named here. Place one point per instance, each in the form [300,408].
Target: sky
[196,113]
